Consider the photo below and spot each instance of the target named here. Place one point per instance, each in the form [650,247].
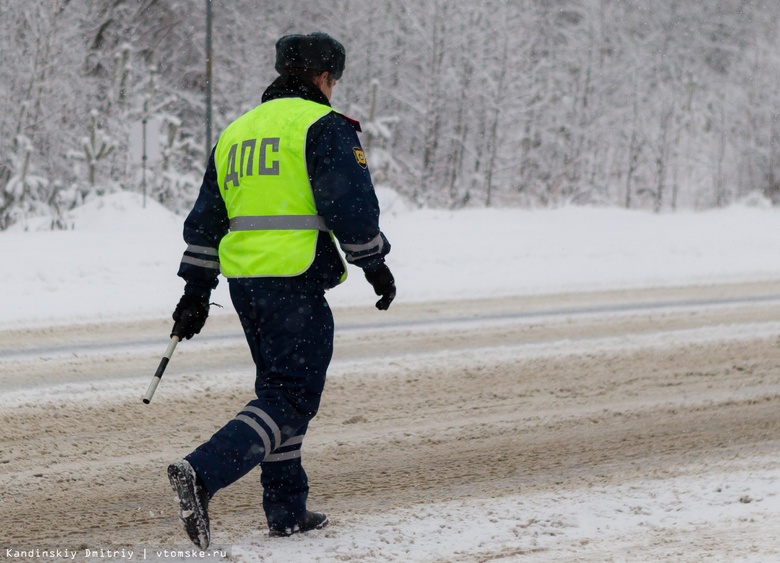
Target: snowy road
[617,426]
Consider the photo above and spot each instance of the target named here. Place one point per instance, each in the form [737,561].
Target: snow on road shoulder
[514,251]
[119,260]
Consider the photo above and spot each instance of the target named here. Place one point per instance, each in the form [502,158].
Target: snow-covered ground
[120,259]
[601,524]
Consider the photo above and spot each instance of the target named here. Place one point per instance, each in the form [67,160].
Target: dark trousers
[290,336]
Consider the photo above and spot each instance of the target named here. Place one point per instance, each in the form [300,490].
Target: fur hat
[317,50]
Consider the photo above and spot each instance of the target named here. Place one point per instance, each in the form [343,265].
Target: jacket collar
[288,86]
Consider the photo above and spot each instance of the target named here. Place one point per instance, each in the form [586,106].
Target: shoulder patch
[354,122]
[360,156]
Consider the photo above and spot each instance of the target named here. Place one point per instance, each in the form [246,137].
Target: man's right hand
[383,282]
[190,316]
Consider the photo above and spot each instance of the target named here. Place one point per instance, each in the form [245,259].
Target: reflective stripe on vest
[279,223]
[264,181]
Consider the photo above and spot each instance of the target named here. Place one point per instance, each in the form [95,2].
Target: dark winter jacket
[343,194]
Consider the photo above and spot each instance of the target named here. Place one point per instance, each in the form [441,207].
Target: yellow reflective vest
[263,178]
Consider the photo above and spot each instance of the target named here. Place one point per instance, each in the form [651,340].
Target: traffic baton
[161,369]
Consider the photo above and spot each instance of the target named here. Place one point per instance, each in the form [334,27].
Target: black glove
[190,316]
[381,278]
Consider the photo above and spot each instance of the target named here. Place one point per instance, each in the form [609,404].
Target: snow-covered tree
[26,194]
[500,102]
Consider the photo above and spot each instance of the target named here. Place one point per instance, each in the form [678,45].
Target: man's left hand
[383,282]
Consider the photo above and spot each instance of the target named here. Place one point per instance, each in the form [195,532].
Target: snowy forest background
[663,105]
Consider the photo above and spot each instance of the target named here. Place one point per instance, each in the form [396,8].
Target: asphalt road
[426,403]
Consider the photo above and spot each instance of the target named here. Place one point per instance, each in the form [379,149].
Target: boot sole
[191,513]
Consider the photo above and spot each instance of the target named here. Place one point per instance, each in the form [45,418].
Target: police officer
[285,182]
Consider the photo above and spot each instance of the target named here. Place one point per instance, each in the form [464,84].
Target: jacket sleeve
[204,228]
[343,191]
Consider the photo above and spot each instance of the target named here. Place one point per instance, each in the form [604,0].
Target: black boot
[310,521]
[193,502]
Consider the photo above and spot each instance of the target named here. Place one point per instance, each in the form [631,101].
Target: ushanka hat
[318,51]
